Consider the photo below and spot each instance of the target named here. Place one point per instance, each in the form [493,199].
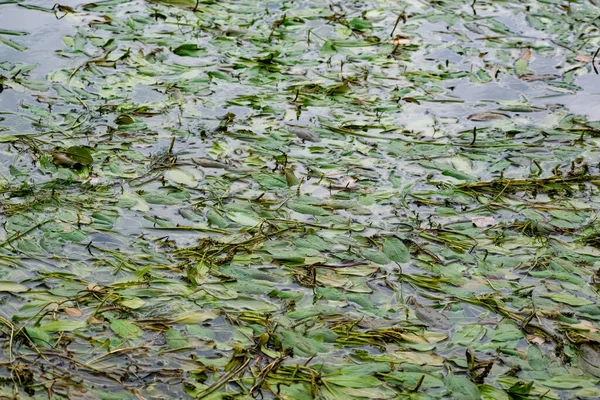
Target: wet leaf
[196,317]
[125,329]
[269,181]
[190,50]
[302,346]
[487,116]
[62,326]
[570,299]
[13,44]
[12,287]
[200,196]
[133,303]
[303,133]
[182,177]
[39,336]
[432,317]
[74,312]
[462,388]
[570,382]
[78,154]
[353,381]
[589,359]
[307,209]
[175,339]
[359,24]
[396,250]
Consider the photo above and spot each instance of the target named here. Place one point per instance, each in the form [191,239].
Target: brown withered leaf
[487,116]
[73,312]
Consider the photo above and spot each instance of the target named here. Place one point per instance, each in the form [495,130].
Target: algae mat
[299,200]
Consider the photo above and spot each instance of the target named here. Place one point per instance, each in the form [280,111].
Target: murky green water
[299,199]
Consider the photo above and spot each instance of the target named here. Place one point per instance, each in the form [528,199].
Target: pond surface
[299,199]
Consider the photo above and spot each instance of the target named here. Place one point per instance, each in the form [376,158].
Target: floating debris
[303,133]
[166,235]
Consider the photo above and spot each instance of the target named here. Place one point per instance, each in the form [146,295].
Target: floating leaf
[353,381]
[432,317]
[12,287]
[125,329]
[487,116]
[73,312]
[307,209]
[13,44]
[569,299]
[302,346]
[270,181]
[133,303]
[589,359]
[175,339]
[462,388]
[39,336]
[570,382]
[73,157]
[303,133]
[359,24]
[190,50]
[196,317]
[182,177]
[536,358]
[396,250]
[62,326]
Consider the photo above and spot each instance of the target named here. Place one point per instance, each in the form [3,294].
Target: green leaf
[396,250]
[521,388]
[302,346]
[307,209]
[459,175]
[359,24]
[220,75]
[521,67]
[12,287]
[79,154]
[79,42]
[296,391]
[270,181]
[195,317]
[291,178]
[13,44]
[569,299]
[39,336]
[353,381]
[215,219]
[13,33]
[126,329]
[570,381]
[536,358]
[505,331]
[243,218]
[175,339]
[63,326]
[133,303]
[328,49]
[125,119]
[161,198]
[462,388]
[492,393]
[376,256]
[190,50]
[181,177]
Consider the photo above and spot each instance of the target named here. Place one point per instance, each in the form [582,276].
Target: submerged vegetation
[299,199]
